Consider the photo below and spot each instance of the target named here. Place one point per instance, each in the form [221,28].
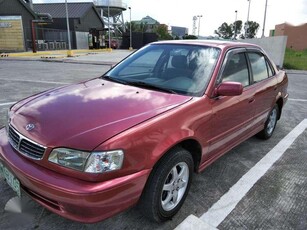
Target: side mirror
[229,89]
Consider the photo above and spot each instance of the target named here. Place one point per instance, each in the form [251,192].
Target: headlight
[104,161]
[96,162]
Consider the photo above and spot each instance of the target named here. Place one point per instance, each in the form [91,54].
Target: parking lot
[278,200]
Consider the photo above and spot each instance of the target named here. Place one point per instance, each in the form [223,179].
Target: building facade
[147,24]
[26,26]
[178,31]
[15,25]
[297,35]
[86,25]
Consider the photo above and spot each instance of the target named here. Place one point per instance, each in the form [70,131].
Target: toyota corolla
[137,134]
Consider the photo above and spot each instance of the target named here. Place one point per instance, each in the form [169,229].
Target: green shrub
[289,66]
[295,59]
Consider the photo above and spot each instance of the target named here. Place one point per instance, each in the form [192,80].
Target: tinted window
[236,69]
[259,66]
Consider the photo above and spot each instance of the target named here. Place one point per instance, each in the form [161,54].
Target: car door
[232,115]
[265,85]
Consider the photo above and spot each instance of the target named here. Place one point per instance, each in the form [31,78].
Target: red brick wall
[297,35]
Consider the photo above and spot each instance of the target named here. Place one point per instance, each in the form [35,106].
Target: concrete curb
[61,59]
[55,52]
[106,57]
[88,62]
[52,57]
[194,223]
[291,71]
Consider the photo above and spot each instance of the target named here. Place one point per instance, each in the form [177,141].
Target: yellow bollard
[70,53]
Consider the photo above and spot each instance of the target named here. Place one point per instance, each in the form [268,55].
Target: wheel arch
[152,192]
[280,104]
[190,145]
[194,148]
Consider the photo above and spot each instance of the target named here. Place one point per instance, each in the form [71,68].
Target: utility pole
[109,29]
[194,25]
[247,25]
[199,16]
[69,52]
[130,48]
[265,9]
[235,36]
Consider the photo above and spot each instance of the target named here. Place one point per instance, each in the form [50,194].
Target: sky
[214,12]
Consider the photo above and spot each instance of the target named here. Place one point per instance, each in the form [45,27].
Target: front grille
[25,146]
[13,137]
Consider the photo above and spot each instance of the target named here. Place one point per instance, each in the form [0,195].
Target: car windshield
[172,68]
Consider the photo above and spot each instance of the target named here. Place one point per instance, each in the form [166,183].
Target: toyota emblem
[30,126]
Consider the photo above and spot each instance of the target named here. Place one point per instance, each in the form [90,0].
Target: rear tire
[270,124]
[167,186]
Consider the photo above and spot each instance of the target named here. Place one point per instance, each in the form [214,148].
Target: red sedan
[136,134]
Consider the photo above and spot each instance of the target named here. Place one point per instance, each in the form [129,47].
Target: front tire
[167,186]
[270,124]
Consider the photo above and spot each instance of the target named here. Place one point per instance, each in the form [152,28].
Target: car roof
[222,44]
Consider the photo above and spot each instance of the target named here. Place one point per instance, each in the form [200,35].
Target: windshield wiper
[150,86]
[114,79]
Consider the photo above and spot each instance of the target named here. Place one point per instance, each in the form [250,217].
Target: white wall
[275,47]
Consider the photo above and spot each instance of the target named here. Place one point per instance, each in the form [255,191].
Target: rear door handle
[251,100]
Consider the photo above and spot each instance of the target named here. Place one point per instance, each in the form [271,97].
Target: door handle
[251,100]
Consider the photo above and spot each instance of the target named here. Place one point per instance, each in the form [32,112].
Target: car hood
[84,115]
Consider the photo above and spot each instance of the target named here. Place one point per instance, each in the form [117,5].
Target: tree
[229,31]
[251,29]
[224,31]
[187,36]
[162,32]
[236,28]
[142,27]
[134,26]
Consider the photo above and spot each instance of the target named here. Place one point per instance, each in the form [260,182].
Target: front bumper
[75,199]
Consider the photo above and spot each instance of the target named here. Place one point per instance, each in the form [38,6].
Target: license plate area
[10,179]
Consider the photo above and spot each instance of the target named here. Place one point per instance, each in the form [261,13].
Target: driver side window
[236,69]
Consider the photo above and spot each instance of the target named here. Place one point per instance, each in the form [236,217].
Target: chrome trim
[21,138]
